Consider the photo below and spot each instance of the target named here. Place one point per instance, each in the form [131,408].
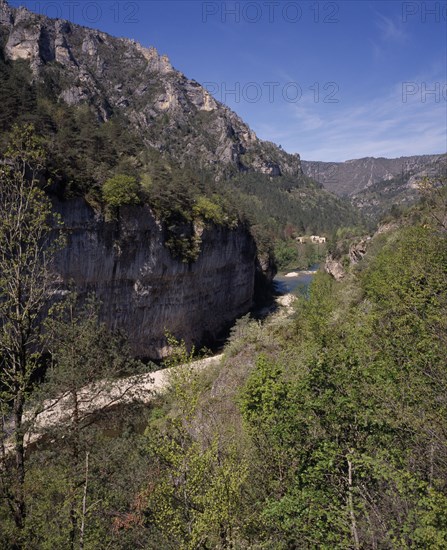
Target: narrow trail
[98,397]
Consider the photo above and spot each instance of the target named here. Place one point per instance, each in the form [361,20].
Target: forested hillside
[323,428]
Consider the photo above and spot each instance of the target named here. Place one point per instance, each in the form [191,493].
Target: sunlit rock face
[335,268]
[170,112]
[143,289]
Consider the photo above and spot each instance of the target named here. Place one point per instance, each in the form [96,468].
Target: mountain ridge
[377,186]
[350,177]
[172,114]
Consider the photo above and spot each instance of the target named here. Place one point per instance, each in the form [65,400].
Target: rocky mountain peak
[170,112]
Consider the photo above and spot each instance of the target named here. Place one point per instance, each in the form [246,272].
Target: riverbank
[143,389]
[101,396]
[299,273]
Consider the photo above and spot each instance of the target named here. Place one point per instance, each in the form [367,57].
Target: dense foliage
[323,429]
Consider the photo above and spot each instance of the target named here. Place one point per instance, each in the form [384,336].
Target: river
[102,395]
[295,284]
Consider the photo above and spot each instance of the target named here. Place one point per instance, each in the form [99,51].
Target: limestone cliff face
[168,111]
[145,291]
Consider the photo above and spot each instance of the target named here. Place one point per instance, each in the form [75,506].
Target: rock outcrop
[346,255]
[143,289]
[335,268]
[358,250]
[168,111]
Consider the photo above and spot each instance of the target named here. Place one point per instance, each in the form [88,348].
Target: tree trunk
[19,451]
[351,508]
[75,459]
[84,505]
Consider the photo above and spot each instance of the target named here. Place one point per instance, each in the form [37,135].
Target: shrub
[208,210]
[121,190]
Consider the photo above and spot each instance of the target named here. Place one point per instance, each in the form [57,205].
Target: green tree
[194,496]
[28,244]
[364,397]
[83,352]
[121,190]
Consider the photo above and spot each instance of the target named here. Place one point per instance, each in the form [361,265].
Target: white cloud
[391,30]
[385,126]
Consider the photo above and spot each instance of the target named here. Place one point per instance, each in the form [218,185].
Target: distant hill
[375,184]
[352,176]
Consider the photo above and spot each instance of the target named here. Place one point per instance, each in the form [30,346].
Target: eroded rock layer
[143,289]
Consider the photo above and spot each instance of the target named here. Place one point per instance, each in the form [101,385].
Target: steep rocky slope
[143,290]
[374,185]
[351,177]
[138,266]
[170,112]
[401,190]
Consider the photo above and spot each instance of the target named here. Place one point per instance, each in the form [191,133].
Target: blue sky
[329,80]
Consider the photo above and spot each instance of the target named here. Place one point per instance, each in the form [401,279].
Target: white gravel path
[98,397]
